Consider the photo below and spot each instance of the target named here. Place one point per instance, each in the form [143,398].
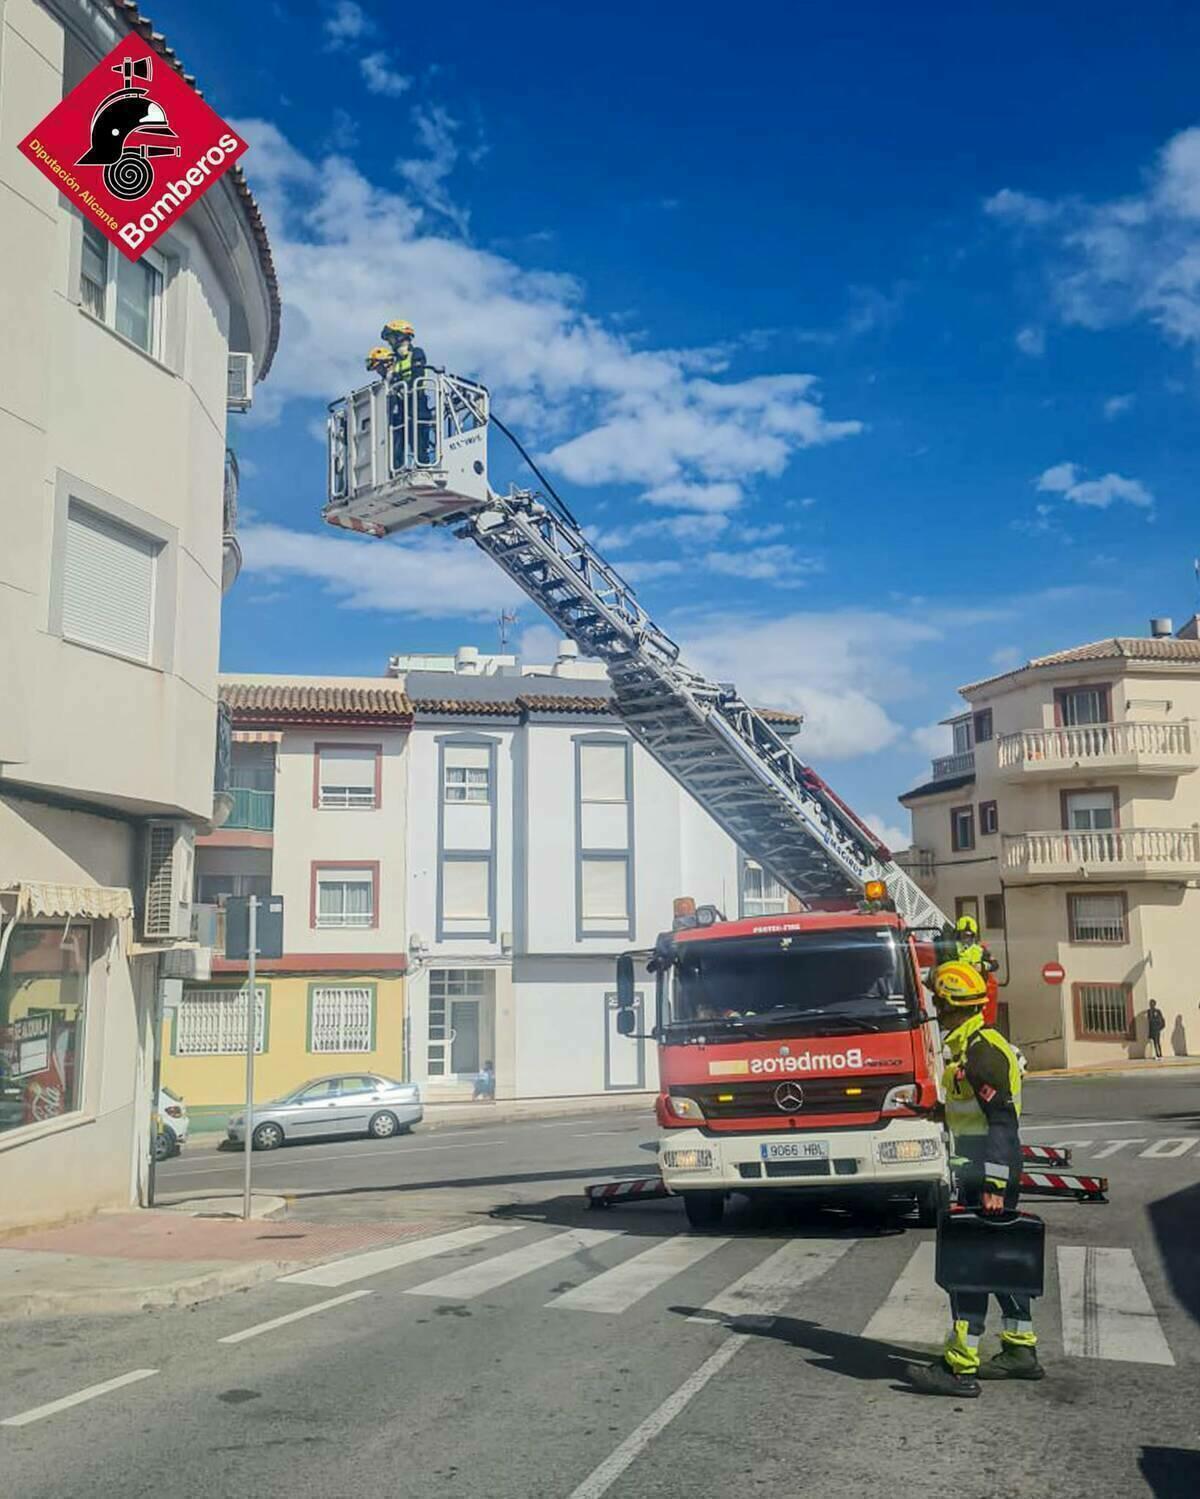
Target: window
[344,896]
[962,828]
[1074,706]
[341,1019]
[43,1000]
[466,889]
[125,294]
[1097,918]
[467,769]
[983,726]
[967,905]
[467,986]
[604,834]
[215,889]
[108,584]
[989,818]
[347,775]
[761,895]
[212,1022]
[994,919]
[1089,811]
[1103,1012]
[604,893]
[603,769]
[963,741]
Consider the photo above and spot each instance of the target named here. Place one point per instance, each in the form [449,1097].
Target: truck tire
[932,1201]
[704,1209]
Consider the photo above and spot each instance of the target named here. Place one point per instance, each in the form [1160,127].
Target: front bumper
[735,1163]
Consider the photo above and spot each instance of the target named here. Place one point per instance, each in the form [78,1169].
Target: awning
[37,898]
[257,736]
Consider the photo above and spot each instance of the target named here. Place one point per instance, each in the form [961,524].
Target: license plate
[796,1150]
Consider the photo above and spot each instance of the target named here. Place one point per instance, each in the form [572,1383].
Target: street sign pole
[251,1029]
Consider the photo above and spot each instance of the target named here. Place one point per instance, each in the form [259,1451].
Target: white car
[172,1124]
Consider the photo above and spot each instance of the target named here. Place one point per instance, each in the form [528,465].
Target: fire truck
[795,1050]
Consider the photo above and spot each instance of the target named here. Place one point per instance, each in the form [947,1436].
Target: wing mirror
[626,997]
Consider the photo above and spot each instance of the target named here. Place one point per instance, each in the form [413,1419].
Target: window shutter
[602,772]
[465,890]
[108,584]
[477,756]
[604,890]
[348,765]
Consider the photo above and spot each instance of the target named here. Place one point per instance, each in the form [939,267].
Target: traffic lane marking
[1110,1147]
[616,1290]
[236,1163]
[306,1311]
[1106,1309]
[491,1274]
[93,1392]
[375,1261]
[1083,1124]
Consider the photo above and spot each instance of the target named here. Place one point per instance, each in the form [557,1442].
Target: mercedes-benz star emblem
[789,1097]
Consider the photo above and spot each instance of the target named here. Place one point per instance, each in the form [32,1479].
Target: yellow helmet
[380,357]
[967,924]
[960,984]
[397,328]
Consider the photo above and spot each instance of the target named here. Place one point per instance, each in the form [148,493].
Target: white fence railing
[1095,741]
[954,765]
[1117,848]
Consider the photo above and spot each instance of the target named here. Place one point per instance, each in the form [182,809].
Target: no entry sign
[1053,973]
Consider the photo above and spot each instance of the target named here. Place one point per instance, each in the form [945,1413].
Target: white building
[112,519]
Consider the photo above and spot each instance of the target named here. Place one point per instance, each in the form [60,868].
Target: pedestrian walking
[485,1084]
[1156,1023]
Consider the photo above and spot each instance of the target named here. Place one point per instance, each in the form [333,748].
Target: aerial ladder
[404,455]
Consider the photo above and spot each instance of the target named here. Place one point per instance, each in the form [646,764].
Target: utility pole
[251,1030]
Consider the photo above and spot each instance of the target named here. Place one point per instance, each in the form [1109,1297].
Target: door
[624,1056]
[314,1111]
[464,1036]
[355,1103]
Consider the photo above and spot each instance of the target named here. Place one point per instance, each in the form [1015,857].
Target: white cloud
[887,832]
[711,499]
[382,77]
[933,739]
[1019,208]
[1031,341]
[351,254]
[1098,494]
[778,563]
[1117,406]
[538,645]
[690,530]
[646,571]
[1006,657]
[346,23]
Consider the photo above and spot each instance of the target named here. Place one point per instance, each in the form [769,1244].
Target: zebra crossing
[1097,1305]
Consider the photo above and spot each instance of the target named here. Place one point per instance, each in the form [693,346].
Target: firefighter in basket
[405,378]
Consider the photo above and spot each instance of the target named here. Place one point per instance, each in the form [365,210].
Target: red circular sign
[1053,973]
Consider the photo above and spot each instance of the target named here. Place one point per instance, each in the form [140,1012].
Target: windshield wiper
[852,1022]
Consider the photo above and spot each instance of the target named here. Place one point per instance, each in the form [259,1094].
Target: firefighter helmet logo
[126,113]
[789,1097]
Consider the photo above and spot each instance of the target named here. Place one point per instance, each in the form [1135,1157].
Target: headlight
[687,1160]
[237,1121]
[686,1108]
[906,1096]
[908,1150]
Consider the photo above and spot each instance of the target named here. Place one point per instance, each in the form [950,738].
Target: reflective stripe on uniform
[961,1350]
[963,1113]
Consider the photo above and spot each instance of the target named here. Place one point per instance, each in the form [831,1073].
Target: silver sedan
[352,1103]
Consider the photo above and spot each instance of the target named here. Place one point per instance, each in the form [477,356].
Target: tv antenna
[508,618]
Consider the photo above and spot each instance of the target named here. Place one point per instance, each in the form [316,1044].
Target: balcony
[919,864]
[1040,754]
[1116,854]
[946,766]
[253,811]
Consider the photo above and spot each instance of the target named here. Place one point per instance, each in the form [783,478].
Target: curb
[93,1303]
[262,1205]
[1150,1068]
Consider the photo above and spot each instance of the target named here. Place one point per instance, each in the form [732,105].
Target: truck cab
[796,1052]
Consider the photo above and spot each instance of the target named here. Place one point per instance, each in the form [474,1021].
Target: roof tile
[1117,647]
[290,702]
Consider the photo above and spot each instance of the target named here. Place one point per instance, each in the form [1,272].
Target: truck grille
[822,1095]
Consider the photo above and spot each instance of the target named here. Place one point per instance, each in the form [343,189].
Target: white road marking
[1106,1309]
[618,1289]
[1179,1146]
[1110,1147]
[593,1134]
[601,1479]
[40,1412]
[294,1159]
[375,1261]
[474,1280]
[916,1309]
[764,1291]
[306,1311]
[1081,1124]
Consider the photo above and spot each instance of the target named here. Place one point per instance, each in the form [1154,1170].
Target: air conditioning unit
[167,894]
[239,385]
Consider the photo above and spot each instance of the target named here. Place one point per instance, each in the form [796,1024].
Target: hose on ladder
[546,484]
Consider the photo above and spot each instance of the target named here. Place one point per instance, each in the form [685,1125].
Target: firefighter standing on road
[983,1112]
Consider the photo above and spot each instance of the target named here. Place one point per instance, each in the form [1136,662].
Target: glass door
[464,1037]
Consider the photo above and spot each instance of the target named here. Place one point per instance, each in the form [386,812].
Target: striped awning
[257,736]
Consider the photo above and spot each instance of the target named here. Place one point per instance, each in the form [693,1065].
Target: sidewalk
[136,1261]
[1126,1067]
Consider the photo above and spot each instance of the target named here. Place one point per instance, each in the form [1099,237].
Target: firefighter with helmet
[408,366]
[380,361]
[968,947]
[982,1084]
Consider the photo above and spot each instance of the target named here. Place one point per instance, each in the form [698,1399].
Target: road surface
[527,1349]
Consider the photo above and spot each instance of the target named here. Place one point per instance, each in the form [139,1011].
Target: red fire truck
[796,1051]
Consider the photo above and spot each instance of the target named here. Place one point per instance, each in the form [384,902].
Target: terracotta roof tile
[291,702]
[1117,647]
[128,11]
[467,707]
[781,716]
[548,702]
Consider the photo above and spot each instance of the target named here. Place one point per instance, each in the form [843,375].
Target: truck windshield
[804,981]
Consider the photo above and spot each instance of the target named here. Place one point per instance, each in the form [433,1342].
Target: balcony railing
[253,811]
[962,764]
[1150,746]
[1146,853]
[919,863]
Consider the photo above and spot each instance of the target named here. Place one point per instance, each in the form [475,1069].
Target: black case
[997,1252]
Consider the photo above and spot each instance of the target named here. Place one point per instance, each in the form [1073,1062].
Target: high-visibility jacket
[977,955]
[409,367]
[982,1083]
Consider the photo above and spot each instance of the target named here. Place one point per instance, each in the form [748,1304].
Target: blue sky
[863,336]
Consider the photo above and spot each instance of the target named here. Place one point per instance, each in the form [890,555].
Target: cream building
[115,516]
[1067,819]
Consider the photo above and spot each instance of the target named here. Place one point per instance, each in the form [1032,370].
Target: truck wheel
[704,1209]
[932,1201]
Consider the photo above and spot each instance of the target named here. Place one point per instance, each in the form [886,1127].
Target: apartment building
[1066,818]
[115,516]
[319,780]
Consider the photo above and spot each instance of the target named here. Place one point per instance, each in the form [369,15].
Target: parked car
[352,1103]
[172,1124]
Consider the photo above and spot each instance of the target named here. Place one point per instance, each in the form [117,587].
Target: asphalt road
[527,1360]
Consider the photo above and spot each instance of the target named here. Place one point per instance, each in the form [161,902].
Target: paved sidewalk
[135,1261]
[1126,1067]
